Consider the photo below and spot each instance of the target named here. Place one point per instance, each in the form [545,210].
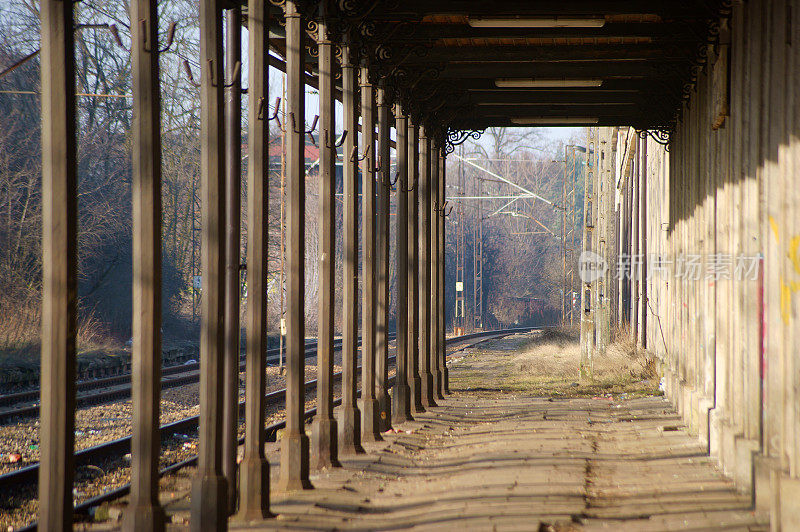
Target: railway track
[93,378]
[115,449]
[118,387]
[92,383]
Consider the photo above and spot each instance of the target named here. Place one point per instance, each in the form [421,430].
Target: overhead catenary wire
[504,180]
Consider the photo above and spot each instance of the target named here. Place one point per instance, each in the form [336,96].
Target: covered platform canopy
[476,64]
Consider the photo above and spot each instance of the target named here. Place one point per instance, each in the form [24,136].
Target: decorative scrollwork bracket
[661,136]
[456,137]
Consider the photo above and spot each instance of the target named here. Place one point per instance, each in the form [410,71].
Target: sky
[561,134]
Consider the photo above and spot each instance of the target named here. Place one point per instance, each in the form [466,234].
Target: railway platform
[492,458]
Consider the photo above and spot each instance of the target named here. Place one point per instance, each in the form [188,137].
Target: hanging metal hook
[313,124]
[390,182]
[235,77]
[147,46]
[170,36]
[354,156]
[379,166]
[260,112]
[409,189]
[442,209]
[112,28]
[277,108]
[303,131]
[336,144]
[189,75]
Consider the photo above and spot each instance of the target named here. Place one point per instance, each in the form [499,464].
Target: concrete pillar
[413,268]
[426,377]
[370,425]
[209,488]
[324,441]
[382,262]
[748,163]
[294,442]
[350,417]
[145,512]
[587,299]
[401,398]
[233,194]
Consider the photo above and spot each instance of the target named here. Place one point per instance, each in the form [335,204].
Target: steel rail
[90,383]
[174,376]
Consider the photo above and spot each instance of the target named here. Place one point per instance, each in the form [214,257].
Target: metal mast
[460,313]
[477,258]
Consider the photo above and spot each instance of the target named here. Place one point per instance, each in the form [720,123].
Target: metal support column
[233,194]
[435,210]
[144,511]
[324,442]
[370,426]
[477,264]
[350,422]
[382,247]
[460,314]
[209,488]
[254,469]
[401,408]
[426,377]
[413,269]
[294,443]
[59,265]
[442,281]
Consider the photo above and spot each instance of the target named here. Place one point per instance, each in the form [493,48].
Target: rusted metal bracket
[337,143]
[356,158]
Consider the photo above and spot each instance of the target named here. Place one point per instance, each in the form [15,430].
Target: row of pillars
[730,352]
[615,299]
[421,374]
[712,225]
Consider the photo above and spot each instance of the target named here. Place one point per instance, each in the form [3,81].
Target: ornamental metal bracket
[661,136]
[456,137]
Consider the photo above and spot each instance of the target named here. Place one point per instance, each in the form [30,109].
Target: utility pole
[572,235]
[568,233]
[194,267]
[477,265]
[460,314]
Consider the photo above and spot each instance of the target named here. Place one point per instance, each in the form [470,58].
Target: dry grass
[20,337]
[547,365]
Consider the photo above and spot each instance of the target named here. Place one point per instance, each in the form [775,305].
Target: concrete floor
[493,461]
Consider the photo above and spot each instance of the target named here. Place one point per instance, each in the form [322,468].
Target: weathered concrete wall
[721,228]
